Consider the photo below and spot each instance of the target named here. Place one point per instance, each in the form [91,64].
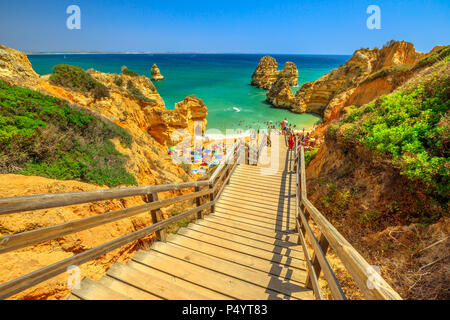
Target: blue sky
[230,26]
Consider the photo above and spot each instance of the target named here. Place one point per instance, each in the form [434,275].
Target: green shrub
[118,81]
[136,93]
[409,127]
[42,135]
[77,79]
[428,60]
[128,72]
[309,155]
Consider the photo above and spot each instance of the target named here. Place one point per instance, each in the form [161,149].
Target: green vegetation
[411,128]
[392,70]
[42,135]
[437,56]
[128,72]
[309,155]
[77,79]
[118,81]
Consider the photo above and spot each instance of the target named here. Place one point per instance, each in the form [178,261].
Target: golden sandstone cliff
[151,126]
[266,73]
[156,74]
[352,83]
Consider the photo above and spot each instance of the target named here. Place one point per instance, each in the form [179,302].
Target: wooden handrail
[46,201]
[372,285]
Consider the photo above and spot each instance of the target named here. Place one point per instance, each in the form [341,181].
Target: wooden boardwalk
[246,249]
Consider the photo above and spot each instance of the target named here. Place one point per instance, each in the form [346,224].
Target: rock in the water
[156,74]
[280,94]
[290,73]
[266,73]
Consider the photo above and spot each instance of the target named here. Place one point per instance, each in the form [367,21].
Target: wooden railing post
[211,196]
[198,202]
[156,217]
[323,243]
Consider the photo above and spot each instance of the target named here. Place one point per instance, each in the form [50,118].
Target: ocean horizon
[221,80]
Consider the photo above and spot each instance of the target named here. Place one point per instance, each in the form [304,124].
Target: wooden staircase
[246,249]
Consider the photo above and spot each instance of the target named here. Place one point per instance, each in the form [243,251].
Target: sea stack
[280,94]
[156,74]
[266,73]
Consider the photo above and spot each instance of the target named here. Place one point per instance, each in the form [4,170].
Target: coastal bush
[411,128]
[128,72]
[43,135]
[136,93]
[118,81]
[430,59]
[309,155]
[77,79]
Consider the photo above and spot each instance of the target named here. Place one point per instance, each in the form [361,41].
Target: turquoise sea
[221,80]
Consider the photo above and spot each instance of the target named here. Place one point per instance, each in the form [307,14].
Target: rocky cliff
[266,73]
[156,74]
[369,179]
[337,88]
[131,102]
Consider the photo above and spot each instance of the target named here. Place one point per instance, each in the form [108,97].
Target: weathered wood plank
[24,239]
[46,201]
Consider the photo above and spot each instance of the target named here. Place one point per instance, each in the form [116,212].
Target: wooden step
[152,284]
[255,193]
[248,242]
[259,224]
[177,281]
[206,277]
[287,224]
[127,289]
[286,206]
[249,209]
[288,260]
[262,279]
[279,234]
[264,265]
[280,201]
[288,240]
[92,290]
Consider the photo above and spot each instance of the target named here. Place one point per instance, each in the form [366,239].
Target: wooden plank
[91,290]
[311,273]
[287,224]
[157,217]
[287,273]
[176,281]
[72,297]
[287,251]
[267,194]
[128,290]
[270,227]
[282,259]
[274,217]
[231,199]
[23,239]
[248,227]
[332,282]
[14,286]
[284,199]
[209,278]
[46,201]
[244,273]
[246,207]
[288,240]
[152,284]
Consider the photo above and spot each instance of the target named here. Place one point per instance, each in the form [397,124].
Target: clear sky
[228,26]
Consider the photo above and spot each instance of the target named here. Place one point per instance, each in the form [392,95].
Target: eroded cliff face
[347,84]
[266,73]
[156,74]
[151,126]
